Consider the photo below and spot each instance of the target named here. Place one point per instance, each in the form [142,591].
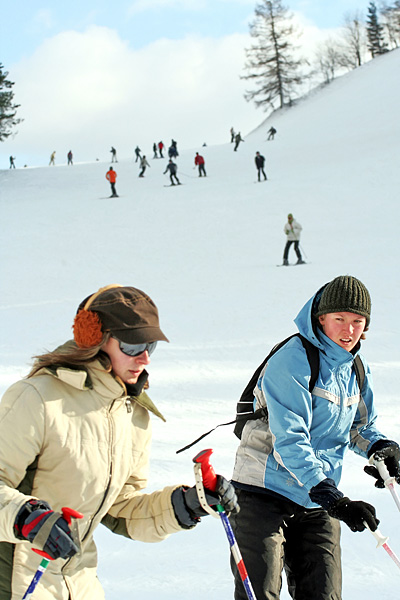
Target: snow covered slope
[207,253]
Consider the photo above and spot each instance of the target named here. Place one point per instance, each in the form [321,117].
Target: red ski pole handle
[68,514]
[207,471]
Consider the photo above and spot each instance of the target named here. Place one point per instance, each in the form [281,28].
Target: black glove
[354,513]
[32,516]
[389,452]
[187,505]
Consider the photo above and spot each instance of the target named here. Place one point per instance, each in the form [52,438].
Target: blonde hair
[71,356]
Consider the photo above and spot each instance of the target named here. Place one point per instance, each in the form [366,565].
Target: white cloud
[89,90]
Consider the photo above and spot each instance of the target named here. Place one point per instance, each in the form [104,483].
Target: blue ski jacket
[305,436]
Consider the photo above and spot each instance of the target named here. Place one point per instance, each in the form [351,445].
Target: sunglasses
[136,349]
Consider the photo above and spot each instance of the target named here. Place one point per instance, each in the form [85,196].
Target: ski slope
[206,252]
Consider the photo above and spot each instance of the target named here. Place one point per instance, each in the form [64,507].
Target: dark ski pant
[296,249]
[259,171]
[275,534]
[171,177]
[113,190]
[202,171]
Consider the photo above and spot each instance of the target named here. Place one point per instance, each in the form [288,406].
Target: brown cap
[128,313]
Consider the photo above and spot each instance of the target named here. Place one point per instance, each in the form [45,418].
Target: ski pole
[382,541]
[387,479]
[205,476]
[68,514]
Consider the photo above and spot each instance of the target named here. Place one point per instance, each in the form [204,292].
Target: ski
[294,264]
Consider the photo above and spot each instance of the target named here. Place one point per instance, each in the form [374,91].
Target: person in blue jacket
[289,464]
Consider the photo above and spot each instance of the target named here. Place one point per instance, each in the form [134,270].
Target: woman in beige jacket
[76,432]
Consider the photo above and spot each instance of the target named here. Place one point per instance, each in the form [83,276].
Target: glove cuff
[326,494]
[379,445]
[27,509]
[182,513]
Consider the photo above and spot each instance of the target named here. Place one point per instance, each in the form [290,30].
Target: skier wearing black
[238,139]
[137,153]
[172,168]
[113,154]
[272,132]
[260,161]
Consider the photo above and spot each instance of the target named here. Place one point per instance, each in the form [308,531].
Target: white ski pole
[382,541]
[387,479]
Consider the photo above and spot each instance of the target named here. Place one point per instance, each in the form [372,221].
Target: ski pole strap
[41,537]
[260,412]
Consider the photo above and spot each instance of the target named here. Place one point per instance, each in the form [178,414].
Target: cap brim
[140,335]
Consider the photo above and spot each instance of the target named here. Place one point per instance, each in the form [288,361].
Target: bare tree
[270,60]
[329,58]
[354,39]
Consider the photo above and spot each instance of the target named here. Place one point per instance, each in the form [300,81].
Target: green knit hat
[345,294]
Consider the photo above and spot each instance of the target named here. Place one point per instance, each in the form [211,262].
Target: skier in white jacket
[292,230]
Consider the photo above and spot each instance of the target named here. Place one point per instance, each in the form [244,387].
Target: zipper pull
[128,405]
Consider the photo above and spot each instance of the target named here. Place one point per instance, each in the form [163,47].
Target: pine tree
[270,61]
[8,110]
[376,43]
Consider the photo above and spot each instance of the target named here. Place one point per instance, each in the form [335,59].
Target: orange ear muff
[87,329]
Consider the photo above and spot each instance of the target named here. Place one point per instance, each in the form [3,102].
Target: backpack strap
[359,370]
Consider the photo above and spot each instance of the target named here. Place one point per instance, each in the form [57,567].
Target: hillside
[207,253]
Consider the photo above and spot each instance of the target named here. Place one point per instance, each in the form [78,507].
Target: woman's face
[344,328]
[128,368]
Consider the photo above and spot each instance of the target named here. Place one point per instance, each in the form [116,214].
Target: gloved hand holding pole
[205,471]
[68,514]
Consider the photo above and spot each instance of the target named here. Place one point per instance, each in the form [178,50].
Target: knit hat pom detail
[87,329]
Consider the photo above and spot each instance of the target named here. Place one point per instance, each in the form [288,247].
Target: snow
[206,252]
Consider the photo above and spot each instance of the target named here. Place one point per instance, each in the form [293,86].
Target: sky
[95,74]
[206,252]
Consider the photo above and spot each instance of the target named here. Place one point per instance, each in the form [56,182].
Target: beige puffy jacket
[73,438]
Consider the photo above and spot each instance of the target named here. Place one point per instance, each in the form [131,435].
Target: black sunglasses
[136,349]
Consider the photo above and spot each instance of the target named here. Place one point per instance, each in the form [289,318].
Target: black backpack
[245,407]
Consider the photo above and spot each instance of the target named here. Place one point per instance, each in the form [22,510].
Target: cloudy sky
[131,72]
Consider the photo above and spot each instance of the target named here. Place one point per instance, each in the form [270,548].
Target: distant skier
[174,145]
[137,152]
[12,163]
[69,158]
[155,150]
[160,149]
[232,135]
[172,168]
[292,229]
[113,154]
[260,161]
[111,176]
[52,158]
[238,139]
[143,165]
[272,132]
[172,152]
[200,163]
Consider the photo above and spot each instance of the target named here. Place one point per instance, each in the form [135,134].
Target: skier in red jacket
[199,162]
[111,176]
